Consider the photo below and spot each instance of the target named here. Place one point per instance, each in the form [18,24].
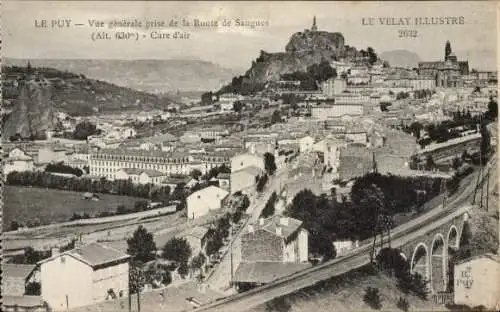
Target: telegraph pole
[487,190]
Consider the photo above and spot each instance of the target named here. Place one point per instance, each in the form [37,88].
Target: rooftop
[17,270]
[198,231]
[266,272]
[288,225]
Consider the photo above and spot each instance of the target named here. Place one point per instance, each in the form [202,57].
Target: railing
[443,297]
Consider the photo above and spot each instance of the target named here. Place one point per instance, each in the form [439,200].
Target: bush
[372,298]
[403,304]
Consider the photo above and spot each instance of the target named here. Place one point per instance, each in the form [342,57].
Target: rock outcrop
[33,113]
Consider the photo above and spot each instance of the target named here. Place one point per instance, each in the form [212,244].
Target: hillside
[154,76]
[303,50]
[401,58]
[76,94]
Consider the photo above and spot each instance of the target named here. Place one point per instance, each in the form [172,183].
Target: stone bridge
[428,253]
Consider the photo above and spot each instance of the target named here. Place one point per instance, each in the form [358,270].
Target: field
[45,206]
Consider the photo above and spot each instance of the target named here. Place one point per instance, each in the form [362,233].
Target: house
[273,248]
[224,181]
[18,161]
[23,303]
[141,176]
[83,276]
[306,143]
[275,239]
[244,180]
[197,239]
[201,202]
[476,282]
[15,277]
[241,161]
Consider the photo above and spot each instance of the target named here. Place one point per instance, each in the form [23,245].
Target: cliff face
[33,113]
[303,50]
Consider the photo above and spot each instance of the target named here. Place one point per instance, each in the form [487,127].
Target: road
[356,258]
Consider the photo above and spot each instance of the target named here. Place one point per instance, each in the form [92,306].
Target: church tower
[447,50]
[314,27]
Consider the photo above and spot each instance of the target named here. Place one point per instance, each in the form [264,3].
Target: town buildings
[19,161]
[83,276]
[205,200]
[141,176]
[326,111]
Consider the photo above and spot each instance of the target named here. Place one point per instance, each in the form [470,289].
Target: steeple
[314,27]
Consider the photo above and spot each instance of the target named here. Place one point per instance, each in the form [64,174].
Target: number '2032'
[407,33]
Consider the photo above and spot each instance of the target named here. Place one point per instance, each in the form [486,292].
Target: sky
[236,47]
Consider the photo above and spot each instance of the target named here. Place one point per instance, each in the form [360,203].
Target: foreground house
[83,276]
[273,248]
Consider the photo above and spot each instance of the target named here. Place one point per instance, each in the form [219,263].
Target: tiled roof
[287,229]
[153,173]
[266,272]
[252,170]
[95,254]
[22,301]
[17,270]
[198,232]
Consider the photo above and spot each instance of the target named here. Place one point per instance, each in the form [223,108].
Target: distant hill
[34,95]
[154,76]
[401,58]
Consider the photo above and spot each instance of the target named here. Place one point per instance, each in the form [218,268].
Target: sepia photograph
[260,156]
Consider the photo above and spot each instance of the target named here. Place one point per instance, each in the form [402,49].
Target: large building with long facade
[107,162]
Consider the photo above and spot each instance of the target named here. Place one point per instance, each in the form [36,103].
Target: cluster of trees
[316,73]
[402,95]
[214,172]
[240,209]
[104,186]
[269,208]
[242,85]
[85,129]
[269,163]
[261,182]
[60,167]
[374,198]
[276,117]
[391,261]
[217,234]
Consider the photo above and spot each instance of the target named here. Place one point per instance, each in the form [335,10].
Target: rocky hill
[33,113]
[303,50]
[401,58]
[153,76]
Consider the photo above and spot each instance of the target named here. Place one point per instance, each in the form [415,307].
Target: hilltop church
[447,73]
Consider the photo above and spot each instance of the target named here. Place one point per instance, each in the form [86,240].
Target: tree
[141,245]
[268,210]
[261,182]
[279,304]
[403,304]
[492,112]
[237,106]
[372,55]
[269,163]
[177,249]
[429,163]
[183,269]
[195,174]
[485,143]
[214,242]
[85,129]
[236,216]
[276,117]
[415,128]
[197,262]
[372,298]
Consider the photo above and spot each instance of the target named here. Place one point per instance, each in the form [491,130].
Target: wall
[476,283]
[71,279]
[114,277]
[13,286]
[303,245]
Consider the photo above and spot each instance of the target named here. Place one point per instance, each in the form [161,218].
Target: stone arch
[420,261]
[438,263]
[453,239]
